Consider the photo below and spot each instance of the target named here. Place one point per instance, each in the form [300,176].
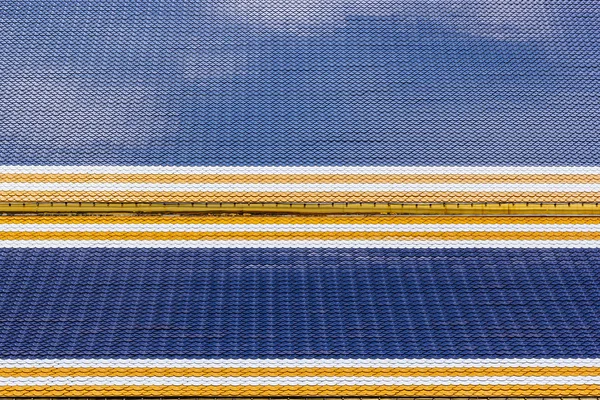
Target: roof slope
[299,110]
[273,306]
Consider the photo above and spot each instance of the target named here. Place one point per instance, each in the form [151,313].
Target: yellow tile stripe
[249,391]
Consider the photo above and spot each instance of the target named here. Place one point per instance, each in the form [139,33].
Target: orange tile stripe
[300,197]
[317,236]
[249,391]
[299,371]
[301,178]
[299,220]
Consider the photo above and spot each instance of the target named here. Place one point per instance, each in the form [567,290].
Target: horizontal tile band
[308,391]
[300,198]
[302,244]
[298,371]
[287,228]
[279,236]
[296,380]
[344,222]
[303,178]
[487,209]
[305,363]
[299,187]
[303,170]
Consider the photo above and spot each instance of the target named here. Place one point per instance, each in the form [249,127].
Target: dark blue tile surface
[407,82]
[299,303]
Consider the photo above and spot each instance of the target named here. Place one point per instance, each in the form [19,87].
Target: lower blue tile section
[299,303]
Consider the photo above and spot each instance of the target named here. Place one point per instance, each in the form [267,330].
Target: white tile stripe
[298,170]
[302,244]
[300,187]
[298,380]
[304,363]
[308,227]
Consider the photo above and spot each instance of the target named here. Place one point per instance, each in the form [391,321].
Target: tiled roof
[278,306]
[267,198]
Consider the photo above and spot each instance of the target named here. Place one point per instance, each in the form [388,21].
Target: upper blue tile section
[269,82]
[299,303]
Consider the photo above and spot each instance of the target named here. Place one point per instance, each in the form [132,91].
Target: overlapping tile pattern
[299,306]
[299,184]
[134,104]
[298,232]
[308,378]
[315,82]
